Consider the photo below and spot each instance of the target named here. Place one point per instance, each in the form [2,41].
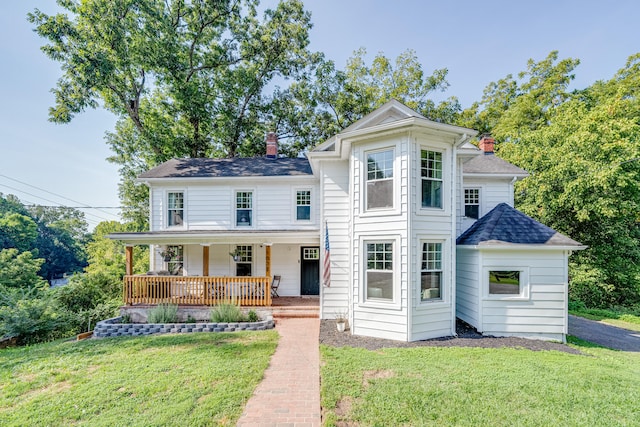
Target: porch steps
[295,312]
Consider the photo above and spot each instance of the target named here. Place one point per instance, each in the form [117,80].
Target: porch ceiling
[224,236]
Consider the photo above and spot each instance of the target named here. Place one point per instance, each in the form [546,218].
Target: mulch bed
[467,337]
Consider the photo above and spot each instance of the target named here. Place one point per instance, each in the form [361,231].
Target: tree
[20,270]
[582,153]
[186,79]
[17,231]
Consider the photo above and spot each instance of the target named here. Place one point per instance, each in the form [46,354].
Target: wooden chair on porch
[274,286]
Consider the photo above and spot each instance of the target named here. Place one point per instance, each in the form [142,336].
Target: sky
[478,42]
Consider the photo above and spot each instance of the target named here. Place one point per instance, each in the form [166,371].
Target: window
[504,282]
[431,272]
[431,172]
[175,208]
[380,180]
[244,208]
[379,270]
[472,203]
[245,260]
[310,253]
[303,205]
[174,257]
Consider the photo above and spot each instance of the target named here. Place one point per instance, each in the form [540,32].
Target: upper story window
[431,173]
[472,203]
[244,208]
[380,180]
[431,272]
[379,270]
[303,205]
[175,208]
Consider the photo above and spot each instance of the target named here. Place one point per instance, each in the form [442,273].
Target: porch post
[268,260]
[128,251]
[205,260]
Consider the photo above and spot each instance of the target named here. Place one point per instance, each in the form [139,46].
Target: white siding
[435,318]
[468,286]
[334,176]
[493,191]
[211,205]
[544,314]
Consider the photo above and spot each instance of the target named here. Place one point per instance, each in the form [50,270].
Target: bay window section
[431,173]
[379,180]
[175,208]
[244,208]
[431,272]
[379,271]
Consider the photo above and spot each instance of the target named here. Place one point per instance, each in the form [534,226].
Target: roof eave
[524,246]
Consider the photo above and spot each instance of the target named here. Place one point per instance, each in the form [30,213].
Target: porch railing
[195,290]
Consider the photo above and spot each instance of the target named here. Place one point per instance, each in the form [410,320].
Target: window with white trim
[431,272]
[379,270]
[303,205]
[431,176]
[175,208]
[507,283]
[310,253]
[244,208]
[472,203]
[245,260]
[379,180]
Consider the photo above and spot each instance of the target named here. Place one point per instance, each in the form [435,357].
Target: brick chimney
[272,145]
[486,144]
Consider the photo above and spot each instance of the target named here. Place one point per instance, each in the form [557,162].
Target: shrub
[252,316]
[163,313]
[227,312]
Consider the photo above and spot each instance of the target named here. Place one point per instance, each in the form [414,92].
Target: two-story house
[419,225]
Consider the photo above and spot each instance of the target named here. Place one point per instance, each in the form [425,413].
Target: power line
[55,194]
[52,201]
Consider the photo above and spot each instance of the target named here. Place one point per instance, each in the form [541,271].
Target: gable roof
[227,168]
[505,225]
[490,164]
[391,112]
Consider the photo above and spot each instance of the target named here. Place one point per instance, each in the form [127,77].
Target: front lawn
[424,386]
[190,379]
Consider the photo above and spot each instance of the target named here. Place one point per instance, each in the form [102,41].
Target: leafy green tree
[20,270]
[582,153]
[17,231]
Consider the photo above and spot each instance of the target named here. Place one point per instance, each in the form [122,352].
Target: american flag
[326,275]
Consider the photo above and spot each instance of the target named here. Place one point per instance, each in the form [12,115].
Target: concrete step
[302,312]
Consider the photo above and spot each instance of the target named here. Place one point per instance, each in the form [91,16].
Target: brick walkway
[289,394]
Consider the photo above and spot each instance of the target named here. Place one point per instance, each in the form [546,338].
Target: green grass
[426,386]
[191,380]
[622,318]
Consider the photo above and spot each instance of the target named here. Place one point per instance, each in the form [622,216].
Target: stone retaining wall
[113,328]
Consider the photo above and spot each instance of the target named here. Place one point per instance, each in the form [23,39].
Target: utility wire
[55,194]
[52,201]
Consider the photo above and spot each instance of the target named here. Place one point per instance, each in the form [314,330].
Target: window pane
[472,211]
[431,164]
[504,282]
[431,193]
[380,194]
[430,285]
[303,213]
[175,217]
[243,217]
[379,285]
[243,269]
[380,165]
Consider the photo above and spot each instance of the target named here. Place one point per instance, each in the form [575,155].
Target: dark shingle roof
[226,168]
[507,225]
[491,164]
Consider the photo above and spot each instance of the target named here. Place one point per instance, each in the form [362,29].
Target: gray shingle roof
[507,225]
[492,164]
[226,168]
